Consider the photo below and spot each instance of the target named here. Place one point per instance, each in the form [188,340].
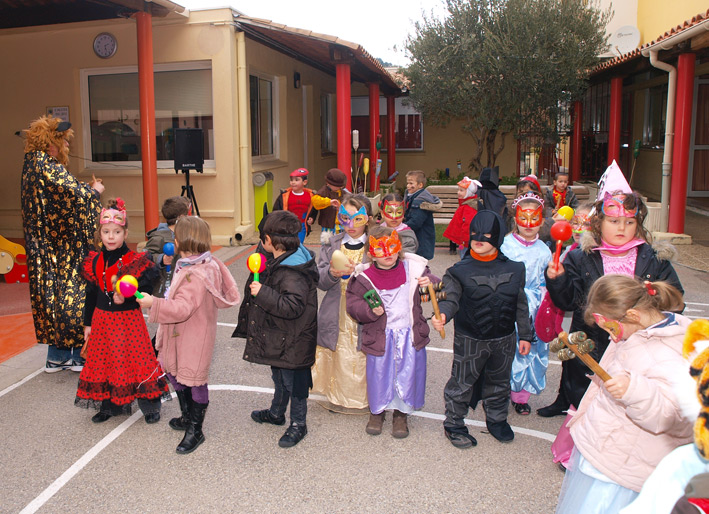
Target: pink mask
[612,326]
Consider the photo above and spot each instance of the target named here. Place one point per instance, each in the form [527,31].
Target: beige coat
[188,319]
[625,439]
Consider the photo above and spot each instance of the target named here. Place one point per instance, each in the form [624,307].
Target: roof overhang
[32,13]
[320,51]
[692,35]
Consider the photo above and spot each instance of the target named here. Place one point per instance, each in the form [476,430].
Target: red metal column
[680,149]
[615,119]
[146,88]
[344,121]
[576,139]
[373,133]
[391,135]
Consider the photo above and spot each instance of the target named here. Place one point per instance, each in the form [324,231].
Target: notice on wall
[59,112]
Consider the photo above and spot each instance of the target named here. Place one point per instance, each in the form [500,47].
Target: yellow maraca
[566,212]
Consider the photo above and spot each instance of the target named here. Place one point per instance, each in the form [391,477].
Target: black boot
[294,434]
[500,430]
[193,435]
[557,408]
[185,398]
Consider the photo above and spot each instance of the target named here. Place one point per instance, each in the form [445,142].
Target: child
[394,334]
[188,324]
[327,202]
[392,209]
[559,194]
[626,425]
[298,200]
[340,368]
[173,209]
[617,243]
[458,230]
[523,245]
[547,323]
[418,214]
[120,363]
[278,318]
[485,297]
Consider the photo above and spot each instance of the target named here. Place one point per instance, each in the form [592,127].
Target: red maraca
[561,231]
[256,264]
[128,286]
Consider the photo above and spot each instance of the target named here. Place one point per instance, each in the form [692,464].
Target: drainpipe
[652,52]
[242,84]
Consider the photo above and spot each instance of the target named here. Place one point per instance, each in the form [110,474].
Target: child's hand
[617,386]
[424,281]
[311,221]
[255,287]
[167,259]
[118,298]
[378,310]
[349,268]
[146,301]
[438,324]
[87,333]
[524,347]
[557,217]
[335,203]
[552,272]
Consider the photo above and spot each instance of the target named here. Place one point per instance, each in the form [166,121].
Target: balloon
[128,286]
[567,212]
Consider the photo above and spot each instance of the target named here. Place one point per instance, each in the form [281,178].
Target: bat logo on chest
[493,282]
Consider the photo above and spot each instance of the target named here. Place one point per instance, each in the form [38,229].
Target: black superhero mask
[487,222]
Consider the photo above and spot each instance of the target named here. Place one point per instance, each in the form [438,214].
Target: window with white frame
[110,96]
[327,123]
[262,94]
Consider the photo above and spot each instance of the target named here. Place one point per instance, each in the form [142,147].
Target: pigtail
[664,296]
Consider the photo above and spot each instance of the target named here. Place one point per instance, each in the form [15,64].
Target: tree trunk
[490,147]
[476,161]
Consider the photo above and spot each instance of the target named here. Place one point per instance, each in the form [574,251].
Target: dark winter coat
[549,205]
[419,217]
[569,291]
[485,299]
[280,323]
[372,335]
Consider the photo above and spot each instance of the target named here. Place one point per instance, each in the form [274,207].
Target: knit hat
[335,177]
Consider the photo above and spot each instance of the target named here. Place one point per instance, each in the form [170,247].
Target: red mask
[529,217]
[384,246]
[392,211]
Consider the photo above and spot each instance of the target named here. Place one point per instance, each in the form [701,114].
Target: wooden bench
[449,197]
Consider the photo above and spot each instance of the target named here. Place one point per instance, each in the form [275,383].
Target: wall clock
[105,45]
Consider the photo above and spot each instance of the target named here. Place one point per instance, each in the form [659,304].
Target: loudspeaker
[189,149]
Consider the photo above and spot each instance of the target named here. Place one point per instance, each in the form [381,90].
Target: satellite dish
[625,39]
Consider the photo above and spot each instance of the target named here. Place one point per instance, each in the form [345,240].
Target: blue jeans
[60,355]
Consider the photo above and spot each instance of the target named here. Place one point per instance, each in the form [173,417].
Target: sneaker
[460,438]
[100,417]
[374,425]
[522,409]
[265,416]
[53,367]
[77,366]
[152,417]
[294,434]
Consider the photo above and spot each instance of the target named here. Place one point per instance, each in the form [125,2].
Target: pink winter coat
[188,319]
[625,439]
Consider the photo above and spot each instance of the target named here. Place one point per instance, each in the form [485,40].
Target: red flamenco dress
[120,364]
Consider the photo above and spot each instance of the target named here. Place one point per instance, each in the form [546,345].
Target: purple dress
[397,379]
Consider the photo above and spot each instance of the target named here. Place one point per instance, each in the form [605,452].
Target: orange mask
[529,217]
[384,246]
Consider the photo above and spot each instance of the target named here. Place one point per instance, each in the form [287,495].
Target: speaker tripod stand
[188,190]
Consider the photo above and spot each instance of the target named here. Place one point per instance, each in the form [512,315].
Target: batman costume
[484,298]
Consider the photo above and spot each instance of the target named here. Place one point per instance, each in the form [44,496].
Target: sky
[380,26]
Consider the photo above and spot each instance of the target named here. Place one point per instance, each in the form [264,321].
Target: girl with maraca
[120,363]
[200,286]
[523,245]
[617,243]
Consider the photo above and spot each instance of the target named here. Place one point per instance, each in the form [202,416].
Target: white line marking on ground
[60,482]
[85,459]
[695,303]
[18,384]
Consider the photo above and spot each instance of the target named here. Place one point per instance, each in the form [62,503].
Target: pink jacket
[188,319]
[625,439]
